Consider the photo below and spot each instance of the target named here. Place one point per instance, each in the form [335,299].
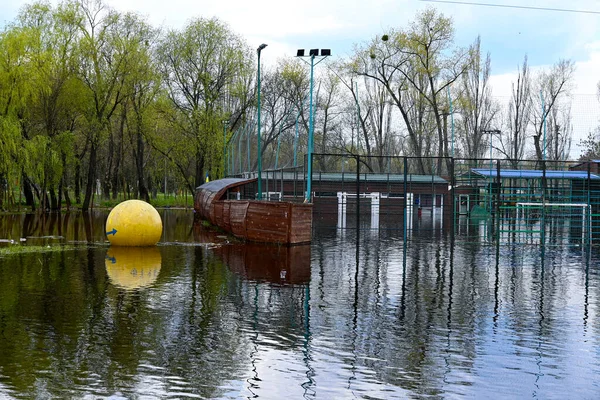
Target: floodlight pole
[259,154]
[296,137]
[313,53]
[310,133]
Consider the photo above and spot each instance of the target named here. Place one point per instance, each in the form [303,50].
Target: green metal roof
[533,174]
[364,177]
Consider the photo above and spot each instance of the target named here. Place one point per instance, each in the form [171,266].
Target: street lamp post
[451,121]
[543,116]
[490,132]
[312,53]
[259,155]
[225,125]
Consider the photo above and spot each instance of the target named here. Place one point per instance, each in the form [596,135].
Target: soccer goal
[527,212]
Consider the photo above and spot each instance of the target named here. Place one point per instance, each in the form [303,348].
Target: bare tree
[476,106]
[420,58]
[284,90]
[512,143]
[552,87]
[560,133]
[329,109]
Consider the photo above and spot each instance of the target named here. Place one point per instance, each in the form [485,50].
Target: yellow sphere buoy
[133,223]
[132,268]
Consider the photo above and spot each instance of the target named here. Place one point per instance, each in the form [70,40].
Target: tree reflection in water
[365,315]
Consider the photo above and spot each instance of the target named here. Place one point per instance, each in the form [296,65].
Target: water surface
[365,316]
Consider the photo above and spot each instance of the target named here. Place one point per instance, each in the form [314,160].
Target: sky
[508,34]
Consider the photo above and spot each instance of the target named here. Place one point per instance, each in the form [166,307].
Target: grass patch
[160,201]
[28,249]
[184,200]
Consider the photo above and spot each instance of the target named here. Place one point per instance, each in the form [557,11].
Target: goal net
[577,214]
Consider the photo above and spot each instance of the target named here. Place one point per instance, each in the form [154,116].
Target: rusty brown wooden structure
[259,261]
[224,203]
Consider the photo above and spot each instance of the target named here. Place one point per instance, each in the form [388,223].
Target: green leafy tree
[106,61]
[54,108]
[203,66]
[16,92]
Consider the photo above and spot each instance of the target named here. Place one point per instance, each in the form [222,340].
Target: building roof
[219,184]
[532,174]
[364,177]
[585,162]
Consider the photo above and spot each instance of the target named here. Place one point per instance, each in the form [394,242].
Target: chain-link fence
[482,200]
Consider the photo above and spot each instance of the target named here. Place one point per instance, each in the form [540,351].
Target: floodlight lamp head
[325,52]
[300,53]
[313,52]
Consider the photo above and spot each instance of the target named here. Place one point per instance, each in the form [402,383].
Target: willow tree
[16,93]
[201,65]
[55,107]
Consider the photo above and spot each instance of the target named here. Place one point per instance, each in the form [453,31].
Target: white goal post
[586,211]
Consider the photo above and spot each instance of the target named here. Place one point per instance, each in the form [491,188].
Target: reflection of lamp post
[259,155]
[225,125]
[312,53]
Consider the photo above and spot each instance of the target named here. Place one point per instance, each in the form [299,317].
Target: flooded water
[350,316]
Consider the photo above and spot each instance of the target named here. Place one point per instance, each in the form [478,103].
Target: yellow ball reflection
[132,267]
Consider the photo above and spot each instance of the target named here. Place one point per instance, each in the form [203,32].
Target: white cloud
[585,107]
[272,18]
[588,71]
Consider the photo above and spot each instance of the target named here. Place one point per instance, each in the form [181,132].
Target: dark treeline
[94,102]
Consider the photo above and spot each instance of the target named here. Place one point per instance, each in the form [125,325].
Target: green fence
[479,200]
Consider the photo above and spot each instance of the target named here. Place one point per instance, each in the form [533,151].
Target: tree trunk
[67,199]
[78,184]
[106,179]
[28,193]
[115,183]
[91,177]
[60,191]
[43,197]
[106,187]
[199,169]
[53,200]
[139,160]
